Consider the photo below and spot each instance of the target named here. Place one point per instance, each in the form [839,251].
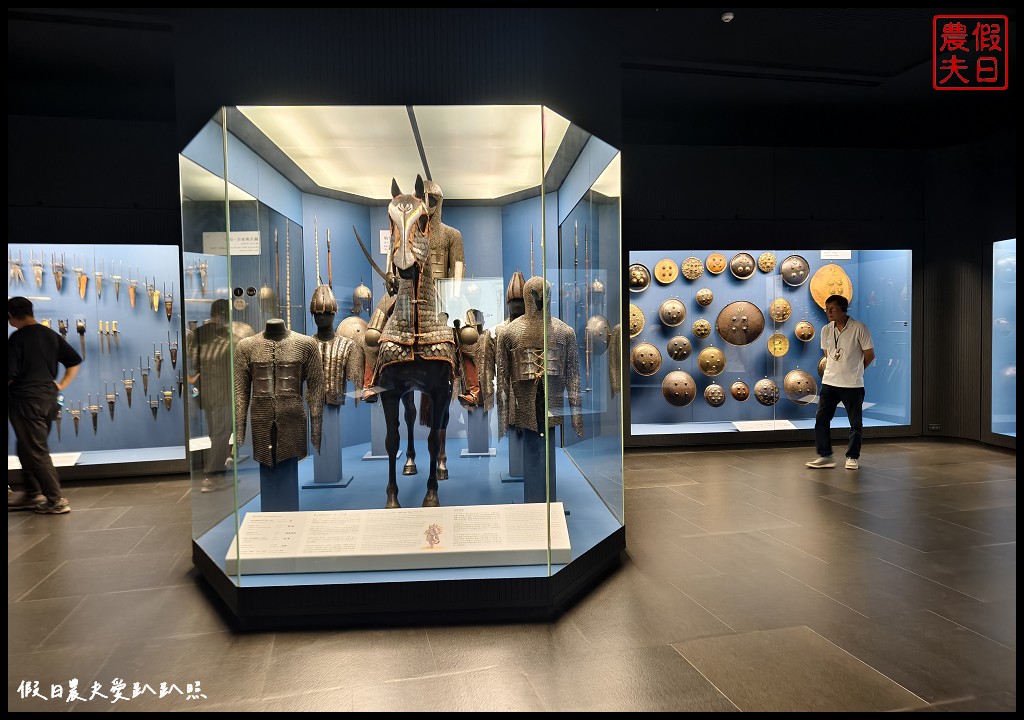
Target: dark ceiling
[772,76]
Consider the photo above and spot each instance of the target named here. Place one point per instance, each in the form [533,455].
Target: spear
[531,251]
[277,263]
[316,245]
[330,278]
[57,419]
[288,273]
[100,333]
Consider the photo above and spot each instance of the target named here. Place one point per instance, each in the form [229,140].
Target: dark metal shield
[639,277]
[717,263]
[800,387]
[714,395]
[740,323]
[711,361]
[766,391]
[666,271]
[679,388]
[705,297]
[672,312]
[740,390]
[636,320]
[742,265]
[645,359]
[795,271]
[679,348]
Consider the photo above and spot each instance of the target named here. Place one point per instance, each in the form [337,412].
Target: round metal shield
[352,327]
[701,328]
[739,390]
[678,388]
[766,391]
[800,387]
[766,262]
[717,263]
[821,366]
[714,395]
[599,332]
[711,361]
[705,297]
[645,359]
[679,348]
[795,271]
[639,277]
[804,331]
[672,312]
[666,271]
[692,268]
[830,280]
[742,265]
[740,323]
[780,310]
[636,320]
[778,344]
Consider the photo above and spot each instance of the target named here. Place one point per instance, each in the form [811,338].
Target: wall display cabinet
[729,342]
[469,252]
[119,306]
[1004,338]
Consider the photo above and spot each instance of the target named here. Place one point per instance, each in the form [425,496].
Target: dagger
[117,337]
[100,333]
[80,327]
[17,276]
[145,376]
[154,296]
[58,270]
[158,357]
[181,383]
[203,266]
[117,279]
[154,405]
[128,384]
[111,399]
[62,325]
[173,348]
[57,421]
[132,286]
[75,415]
[99,281]
[83,279]
[168,398]
[94,410]
[37,268]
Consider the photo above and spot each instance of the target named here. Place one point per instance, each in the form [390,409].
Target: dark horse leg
[439,396]
[409,404]
[389,402]
[442,453]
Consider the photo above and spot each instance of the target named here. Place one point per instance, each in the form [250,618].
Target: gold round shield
[679,348]
[739,390]
[795,271]
[778,344]
[821,366]
[740,323]
[830,280]
[701,328]
[780,310]
[714,395]
[766,391]
[692,268]
[666,271]
[766,262]
[672,312]
[705,297]
[717,263]
[804,331]
[678,388]
[800,387]
[645,359]
[636,320]
[639,277]
[742,265]
[711,361]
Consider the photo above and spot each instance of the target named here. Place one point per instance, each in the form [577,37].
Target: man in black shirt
[33,353]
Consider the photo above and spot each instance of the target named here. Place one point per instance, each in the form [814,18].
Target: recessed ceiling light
[727,17]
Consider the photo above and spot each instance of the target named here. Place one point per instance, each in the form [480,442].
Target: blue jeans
[828,399]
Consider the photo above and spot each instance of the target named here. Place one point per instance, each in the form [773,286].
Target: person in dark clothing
[33,353]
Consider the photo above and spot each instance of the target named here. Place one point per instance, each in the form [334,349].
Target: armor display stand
[327,464]
[279,486]
[478,434]
[515,456]
[378,433]
[535,453]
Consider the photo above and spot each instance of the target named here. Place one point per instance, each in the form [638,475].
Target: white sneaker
[852,464]
[822,462]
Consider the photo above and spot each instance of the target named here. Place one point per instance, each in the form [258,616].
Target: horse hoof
[442,473]
[409,468]
[392,503]
[431,499]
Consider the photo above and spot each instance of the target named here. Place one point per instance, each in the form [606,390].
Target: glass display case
[119,306]
[731,341]
[403,393]
[1004,338]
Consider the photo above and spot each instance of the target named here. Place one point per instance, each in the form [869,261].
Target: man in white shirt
[849,349]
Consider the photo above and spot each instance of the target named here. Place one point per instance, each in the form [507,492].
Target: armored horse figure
[417,349]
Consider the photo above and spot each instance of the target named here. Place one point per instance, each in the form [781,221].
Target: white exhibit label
[60,459]
[399,539]
[385,242]
[836,254]
[759,425]
[243,242]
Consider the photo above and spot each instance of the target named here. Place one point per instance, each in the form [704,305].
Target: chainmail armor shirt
[342,359]
[519,342]
[615,359]
[482,352]
[269,379]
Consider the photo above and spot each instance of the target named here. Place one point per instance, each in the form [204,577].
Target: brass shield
[766,262]
[778,344]
[636,320]
[692,268]
[800,387]
[766,391]
[804,331]
[795,271]
[679,348]
[821,366]
[701,328]
[716,263]
[639,277]
[705,297]
[742,265]
[666,271]
[672,312]
[739,390]
[645,359]
[780,310]
[830,280]
[740,323]
[678,388]
[711,361]
[714,395]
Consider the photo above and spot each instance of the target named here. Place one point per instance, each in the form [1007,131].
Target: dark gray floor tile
[793,670]
[527,647]
[86,544]
[149,515]
[834,542]
[889,503]
[967,495]
[30,621]
[996,621]
[27,576]
[723,472]
[994,702]
[145,495]
[786,483]
[1000,523]
[75,521]
[656,478]
[313,701]
[979,575]
[739,517]
[20,543]
[492,690]
[667,561]
[50,669]
[160,538]
[737,553]
[663,523]
[811,511]
[921,532]
[656,498]
[648,679]
[95,576]
[729,493]
[1003,550]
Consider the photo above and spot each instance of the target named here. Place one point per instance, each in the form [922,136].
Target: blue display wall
[1004,338]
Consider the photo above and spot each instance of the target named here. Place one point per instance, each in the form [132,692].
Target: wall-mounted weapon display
[80,327]
[94,410]
[133,286]
[168,301]
[45,322]
[117,337]
[129,384]
[181,384]
[99,280]
[172,347]
[17,276]
[168,398]
[144,371]
[62,326]
[100,333]
[204,266]
[154,406]
[116,278]
[75,415]
[158,357]
[111,398]
[83,278]
[154,295]
[37,268]
[58,270]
